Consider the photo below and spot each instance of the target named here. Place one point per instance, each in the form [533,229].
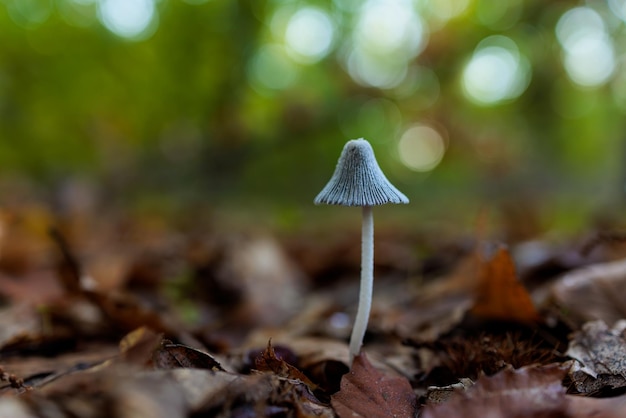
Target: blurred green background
[246,104]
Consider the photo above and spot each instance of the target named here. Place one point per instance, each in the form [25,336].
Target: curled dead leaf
[268,361]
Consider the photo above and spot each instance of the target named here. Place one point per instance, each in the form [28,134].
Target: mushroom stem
[367,283]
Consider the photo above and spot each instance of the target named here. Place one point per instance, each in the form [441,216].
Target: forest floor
[113,316]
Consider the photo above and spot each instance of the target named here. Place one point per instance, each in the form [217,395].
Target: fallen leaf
[200,386]
[268,361]
[440,394]
[266,395]
[116,391]
[252,278]
[147,396]
[39,371]
[585,407]
[532,391]
[139,345]
[500,295]
[599,352]
[23,238]
[36,287]
[19,323]
[590,293]
[323,360]
[172,356]
[367,392]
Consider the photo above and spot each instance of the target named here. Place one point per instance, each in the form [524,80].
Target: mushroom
[359,181]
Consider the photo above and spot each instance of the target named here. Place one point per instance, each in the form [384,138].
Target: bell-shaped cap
[358,180]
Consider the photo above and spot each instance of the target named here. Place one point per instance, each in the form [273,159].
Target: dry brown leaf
[532,391]
[440,394]
[172,356]
[198,385]
[367,392]
[593,292]
[39,371]
[442,304]
[585,407]
[35,287]
[139,345]
[19,323]
[23,238]
[252,278]
[147,396]
[117,391]
[323,360]
[600,355]
[263,394]
[268,362]
[500,295]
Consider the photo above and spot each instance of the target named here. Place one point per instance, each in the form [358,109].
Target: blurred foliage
[178,111]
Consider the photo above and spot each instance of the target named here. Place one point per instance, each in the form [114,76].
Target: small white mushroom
[359,181]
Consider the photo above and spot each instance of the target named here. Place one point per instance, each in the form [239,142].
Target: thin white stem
[367,283]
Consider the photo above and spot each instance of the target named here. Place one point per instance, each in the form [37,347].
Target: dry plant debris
[500,295]
[367,392]
[112,318]
[526,392]
[600,352]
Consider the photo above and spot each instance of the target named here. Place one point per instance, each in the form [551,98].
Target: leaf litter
[186,323]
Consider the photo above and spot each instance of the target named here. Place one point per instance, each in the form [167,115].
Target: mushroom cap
[358,180]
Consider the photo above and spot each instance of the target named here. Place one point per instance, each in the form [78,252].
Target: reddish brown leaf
[533,391]
[367,392]
[500,295]
[268,361]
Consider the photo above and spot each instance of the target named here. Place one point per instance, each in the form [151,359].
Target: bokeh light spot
[591,62]
[309,35]
[588,51]
[497,72]
[374,72]
[388,34]
[389,26]
[579,23]
[421,148]
[130,19]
